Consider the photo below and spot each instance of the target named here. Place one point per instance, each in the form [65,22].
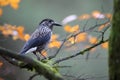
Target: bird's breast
[47,41]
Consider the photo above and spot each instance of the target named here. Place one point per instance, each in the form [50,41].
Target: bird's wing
[37,39]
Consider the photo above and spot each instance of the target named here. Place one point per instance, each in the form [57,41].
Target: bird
[40,38]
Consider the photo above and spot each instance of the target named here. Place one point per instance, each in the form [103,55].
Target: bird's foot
[37,56]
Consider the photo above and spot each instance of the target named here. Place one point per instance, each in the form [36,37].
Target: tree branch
[41,68]
[80,53]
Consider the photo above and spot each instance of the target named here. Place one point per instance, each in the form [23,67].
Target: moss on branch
[41,68]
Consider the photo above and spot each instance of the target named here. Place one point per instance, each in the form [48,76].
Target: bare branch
[41,68]
[50,57]
[80,53]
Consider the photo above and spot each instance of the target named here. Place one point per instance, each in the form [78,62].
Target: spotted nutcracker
[40,37]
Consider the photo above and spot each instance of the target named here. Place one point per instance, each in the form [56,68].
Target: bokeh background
[31,12]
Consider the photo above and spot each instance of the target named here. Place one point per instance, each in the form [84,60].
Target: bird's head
[49,23]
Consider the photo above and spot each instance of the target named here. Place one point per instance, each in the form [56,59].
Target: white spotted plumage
[40,37]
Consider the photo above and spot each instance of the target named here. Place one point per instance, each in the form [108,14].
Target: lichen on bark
[114,44]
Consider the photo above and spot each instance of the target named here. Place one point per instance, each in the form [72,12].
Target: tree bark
[114,44]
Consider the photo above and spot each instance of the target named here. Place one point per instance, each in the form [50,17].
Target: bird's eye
[50,21]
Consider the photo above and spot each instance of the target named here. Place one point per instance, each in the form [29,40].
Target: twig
[80,53]
[51,57]
[85,25]
[87,55]
[90,29]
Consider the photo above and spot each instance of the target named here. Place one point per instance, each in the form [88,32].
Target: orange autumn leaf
[93,40]
[26,37]
[20,30]
[81,37]
[94,13]
[75,28]
[6,30]
[84,16]
[70,29]
[14,5]
[4,2]
[72,40]
[97,14]
[107,24]
[105,45]
[13,27]
[14,31]
[1,28]
[15,37]
[9,31]
[54,44]
[1,11]
[44,53]
[101,27]
[54,37]
[108,15]
[5,33]
[14,1]
[67,28]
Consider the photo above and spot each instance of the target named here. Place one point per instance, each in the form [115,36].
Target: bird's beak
[56,24]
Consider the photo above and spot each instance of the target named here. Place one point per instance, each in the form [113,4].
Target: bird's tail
[25,51]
